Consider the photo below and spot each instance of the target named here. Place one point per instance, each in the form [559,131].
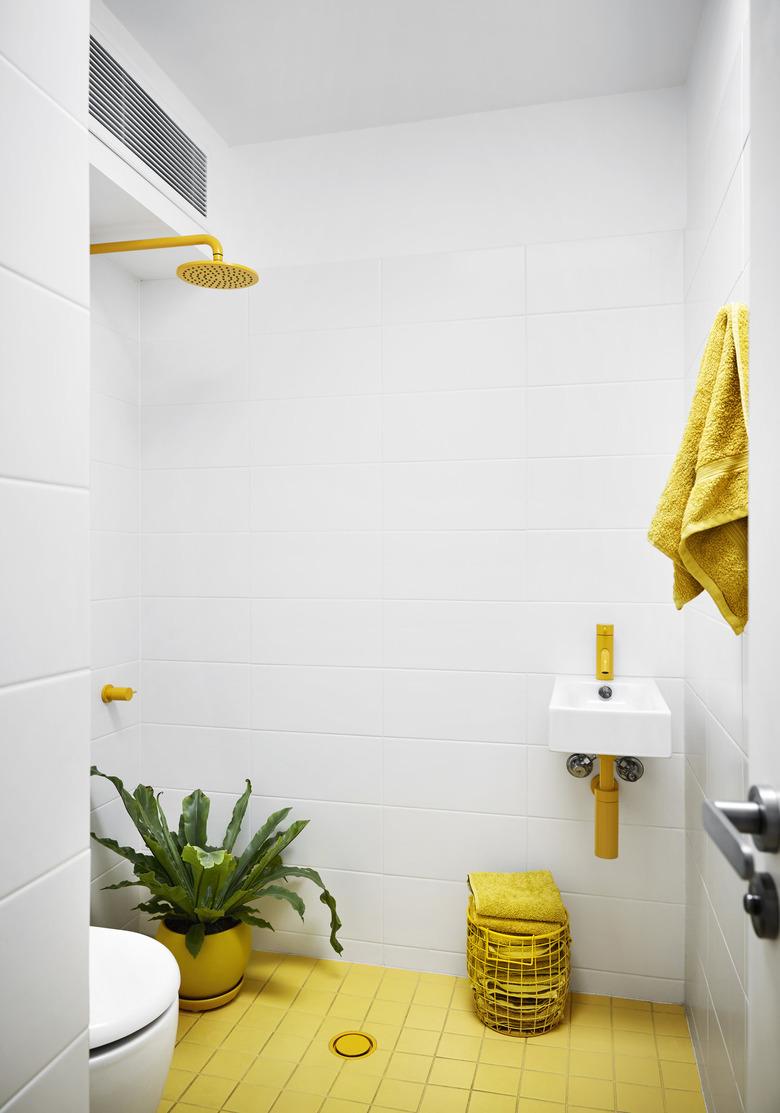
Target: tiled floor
[267,1051]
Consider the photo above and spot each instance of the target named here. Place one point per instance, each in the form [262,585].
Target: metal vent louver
[121,105]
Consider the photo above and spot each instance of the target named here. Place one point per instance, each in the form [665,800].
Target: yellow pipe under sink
[605,790]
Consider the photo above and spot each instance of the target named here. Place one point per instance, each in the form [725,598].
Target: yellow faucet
[604,651]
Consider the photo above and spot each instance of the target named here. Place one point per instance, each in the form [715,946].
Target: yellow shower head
[217,275]
[212,273]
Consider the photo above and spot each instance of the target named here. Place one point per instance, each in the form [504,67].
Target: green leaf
[325,897]
[249,917]
[281,893]
[210,871]
[193,940]
[122,885]
[258,876]
[248,859]
[178,897]
[239,811]
[195,814]
[143,860]
[131,805]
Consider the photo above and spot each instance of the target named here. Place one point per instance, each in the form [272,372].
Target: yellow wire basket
[520,982]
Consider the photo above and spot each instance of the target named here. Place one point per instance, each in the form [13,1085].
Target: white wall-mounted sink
[635,720]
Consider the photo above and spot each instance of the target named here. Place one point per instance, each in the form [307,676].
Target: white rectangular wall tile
[321,565]
[455,776]
[195,629]
[439,845]
[213,758]
[332,295]
[49,529]
[454,425]
[455,286]
[173,310]
[315,364]
[477,495]
[322,842]
[113,431]
[317,632]
[197,500]
[196,693]
[475,706]
[202,369]
[114,565]
[569,493]
[440,920]
[609,273]
[606,346]
[114,359]
[640,940]
[309,699]
[63,1084]
[454,355]
[43,416]
[609,565]
[193,564]
[485,637]
[336,497]
[455,565]
[114,630]
[316,431]
[113,498]
[318,766]
[621,419]
[215,435]
[114,302]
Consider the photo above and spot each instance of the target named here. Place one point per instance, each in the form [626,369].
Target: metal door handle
[725,821]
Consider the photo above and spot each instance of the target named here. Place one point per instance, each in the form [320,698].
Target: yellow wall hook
[110,693]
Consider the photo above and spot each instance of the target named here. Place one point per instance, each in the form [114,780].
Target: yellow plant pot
[215,976]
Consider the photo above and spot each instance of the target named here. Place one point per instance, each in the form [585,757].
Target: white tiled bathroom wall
[717,271]
[114,594]
[388,493]
[44,479]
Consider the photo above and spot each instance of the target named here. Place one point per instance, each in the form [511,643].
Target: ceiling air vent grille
[121,105]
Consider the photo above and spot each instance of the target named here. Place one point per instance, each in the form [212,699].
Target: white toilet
[133,1013]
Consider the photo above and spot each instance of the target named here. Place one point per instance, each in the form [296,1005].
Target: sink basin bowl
[635,720]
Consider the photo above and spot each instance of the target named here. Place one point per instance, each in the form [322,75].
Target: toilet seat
[132,981]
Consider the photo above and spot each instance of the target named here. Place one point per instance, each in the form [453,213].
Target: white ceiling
[276,69]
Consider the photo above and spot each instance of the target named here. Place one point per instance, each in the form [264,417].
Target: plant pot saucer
[202,1004]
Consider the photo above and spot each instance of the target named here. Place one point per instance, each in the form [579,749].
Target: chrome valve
[580,765]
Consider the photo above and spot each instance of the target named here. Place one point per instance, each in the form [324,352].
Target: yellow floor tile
[191,1056]
[452,1046]
[290,1048]
[638,1071]
[492,1103]
[272,1073]
[544,1087]
[185,1022]
[434,993]
[229,1064]
[314,1000]
[362,981]
[583,1109]
[386,1035]
[278,994]
[185,1107]
[349,1008]
[452,1073]
[502,1054]
[354,1087]
[408,1068]
[262,1015]
[464,1024]
[402,992]
[462,995]
[634,1043]
[639,1099]
[592,1093]
[556,1037]
[660,1007]
[262,965]
[590,1064]
[339,1105]
[427,1017]
[291,1102]
[629,1003]
[297,1023]
[680,1076]
[245,1038]
[394,1094]
[209,1032]
[551,1060]
[594,1016]
[234,1012]
[671,1024]
[177,1082]
[314,1080]
[209,1091]
[443,1099]
[591,1039]
[417,1042]
[632,1020]
[677,1048]
[327,976]
[248,1098]
[165,1107]
[684,1101]
[386,1012]
[497,1080]
[531,1105]
[375,1064]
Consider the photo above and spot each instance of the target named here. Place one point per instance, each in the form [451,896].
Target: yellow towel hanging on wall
[701,520]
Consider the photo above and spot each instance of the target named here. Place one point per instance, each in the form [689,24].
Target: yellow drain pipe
[605,790]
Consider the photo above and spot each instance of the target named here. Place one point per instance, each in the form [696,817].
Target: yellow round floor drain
[352,1045]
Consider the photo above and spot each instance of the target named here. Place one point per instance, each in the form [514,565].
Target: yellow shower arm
[163,241]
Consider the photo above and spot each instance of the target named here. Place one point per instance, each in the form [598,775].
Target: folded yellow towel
[532,896]
[701,520]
